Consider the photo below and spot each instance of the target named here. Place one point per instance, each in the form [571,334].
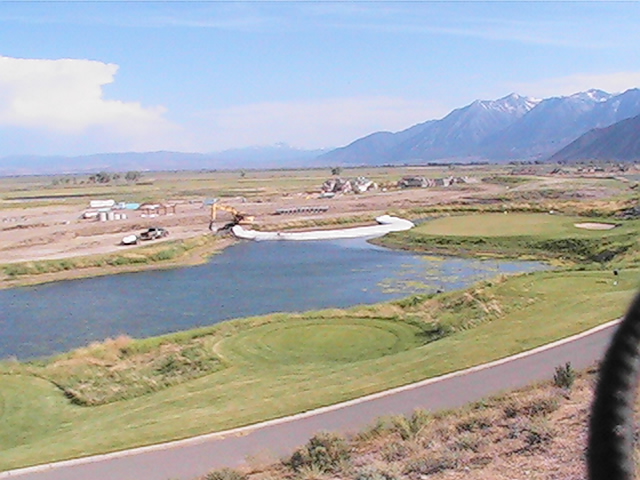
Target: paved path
[185,460]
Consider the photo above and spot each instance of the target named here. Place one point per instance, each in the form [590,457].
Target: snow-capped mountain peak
[516,103]
[592,95]
[511,104]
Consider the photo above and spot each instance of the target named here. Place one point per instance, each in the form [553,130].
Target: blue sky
[91,77]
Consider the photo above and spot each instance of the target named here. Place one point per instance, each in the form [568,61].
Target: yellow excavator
[238,217]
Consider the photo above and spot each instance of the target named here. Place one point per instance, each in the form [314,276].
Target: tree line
[101,178]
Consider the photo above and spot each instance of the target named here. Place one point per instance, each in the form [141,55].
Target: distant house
[102,203]
[154,209]
[337,185]
[413,182]
[465,179]
[523,171]
[363,184]
[444,182]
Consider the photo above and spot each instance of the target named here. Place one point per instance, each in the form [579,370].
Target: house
[363,184]
[413,182]
[337,185]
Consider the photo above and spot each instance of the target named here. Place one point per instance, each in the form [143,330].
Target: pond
[247,279]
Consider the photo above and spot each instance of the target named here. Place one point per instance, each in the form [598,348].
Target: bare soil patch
[56,232]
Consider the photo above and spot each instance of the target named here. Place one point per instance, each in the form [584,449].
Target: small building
[102,203]
[443,182]
[413,182]
[363,184]
[337,185]
[155,209]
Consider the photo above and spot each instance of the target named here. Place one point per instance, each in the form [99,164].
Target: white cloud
[65,97]
[554,87]
[314,123]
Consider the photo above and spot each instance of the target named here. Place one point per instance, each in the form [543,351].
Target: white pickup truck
[151,233]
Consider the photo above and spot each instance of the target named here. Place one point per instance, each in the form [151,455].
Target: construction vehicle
[153,233]
[238,218]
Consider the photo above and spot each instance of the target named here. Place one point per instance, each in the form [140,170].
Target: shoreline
[198,256]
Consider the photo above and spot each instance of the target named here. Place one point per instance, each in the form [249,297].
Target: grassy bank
[522,235]
[282,364]
[158,255]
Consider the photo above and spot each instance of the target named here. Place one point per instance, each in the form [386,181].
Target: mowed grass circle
[343,340]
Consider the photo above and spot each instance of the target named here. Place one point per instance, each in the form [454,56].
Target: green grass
[511,224]
[528,235]
[283,364]
[321,341]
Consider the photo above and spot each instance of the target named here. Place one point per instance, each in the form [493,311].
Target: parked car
[130,240]
[153,233]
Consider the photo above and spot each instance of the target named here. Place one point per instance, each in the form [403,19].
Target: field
[126,392]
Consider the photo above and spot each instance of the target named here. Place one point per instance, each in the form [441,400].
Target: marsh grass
[112,370]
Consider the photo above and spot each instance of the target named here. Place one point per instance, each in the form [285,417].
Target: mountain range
[619,142]
[276,156]
[510,128]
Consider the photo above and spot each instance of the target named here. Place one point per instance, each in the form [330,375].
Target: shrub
[373,473]
[541,406]
[468,441]
[539,433]
[395,451]
[380,426]
[511,410]
[564,376]
[325,452]
[409,427]
[474,423]
[226,474]
[311,472]
[537,406]
[431,463]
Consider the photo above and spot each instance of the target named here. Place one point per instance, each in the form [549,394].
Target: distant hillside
[619,142]
[511,128]
[255,157]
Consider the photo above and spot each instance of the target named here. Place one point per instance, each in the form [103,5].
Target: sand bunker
[385,225]
[595,226]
